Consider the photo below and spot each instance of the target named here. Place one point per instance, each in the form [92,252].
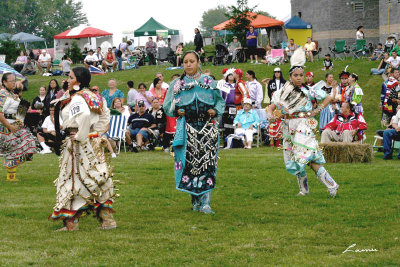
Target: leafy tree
[265,13]
[74,53]
[10,49]
[240,19]
[44,18]
[212,17]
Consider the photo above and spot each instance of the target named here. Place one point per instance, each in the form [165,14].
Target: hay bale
[347,152]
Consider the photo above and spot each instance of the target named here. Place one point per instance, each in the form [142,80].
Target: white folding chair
[117,130]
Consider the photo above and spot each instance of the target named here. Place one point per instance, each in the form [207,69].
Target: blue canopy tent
[23,37]
[5,36]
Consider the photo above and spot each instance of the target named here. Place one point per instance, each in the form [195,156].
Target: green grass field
[259,220]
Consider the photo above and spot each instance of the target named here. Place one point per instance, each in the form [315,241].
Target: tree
[10,50]
[212,17]
[240,19]
[44,18]
[265,13]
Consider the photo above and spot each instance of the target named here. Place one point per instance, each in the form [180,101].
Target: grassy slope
[258,220]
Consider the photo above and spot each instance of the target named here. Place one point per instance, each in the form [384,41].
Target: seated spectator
[90,59]
[268,55]
[143,95]
[44,62]
[164,85]
[132,92]
[52,91]
[123,109]
[390,134]
[346,127]
[178,54]
[328,64]
[151,50]
[161,43]
[20,61]
[110,61]
[65,65]
[138,124]
[234,48]
[157,91]
[99,56]
[160,118]
[396,48]
[63,89]
[47,136]
[377,54]
[255,89]
[29,67]
[394,60]
[310,47]
[112,92]
[246,122]
[290,49]
[382,65]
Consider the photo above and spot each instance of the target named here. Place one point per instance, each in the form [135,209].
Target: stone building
[338,19]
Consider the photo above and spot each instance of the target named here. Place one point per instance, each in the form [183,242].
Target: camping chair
[340,47]
[359,49]
[277,57]
[162,54]
[263,117]
[317,49]
[118,124]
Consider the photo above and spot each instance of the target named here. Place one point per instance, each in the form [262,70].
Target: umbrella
[5,68]
[23,37]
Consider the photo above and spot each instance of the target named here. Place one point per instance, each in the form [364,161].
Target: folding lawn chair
[340,47]
[359,49]
[118,124]
[277,56]
[263,117]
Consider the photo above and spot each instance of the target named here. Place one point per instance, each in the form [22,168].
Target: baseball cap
[44,51]
[247,101]
[234,37]
[277,69]
[141,103]
[310,73]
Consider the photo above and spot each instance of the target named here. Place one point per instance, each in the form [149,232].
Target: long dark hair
[82,76]
[155,81]
[57,86]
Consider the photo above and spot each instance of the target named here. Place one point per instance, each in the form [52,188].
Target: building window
[359,6]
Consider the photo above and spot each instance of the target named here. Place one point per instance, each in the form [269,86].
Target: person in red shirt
[346,127]
[241,91]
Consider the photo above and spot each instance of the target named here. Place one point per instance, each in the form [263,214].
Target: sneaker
[251,62]
[256,61]
[46,151]
[113,155]
[166,150]
[333,191]
[134,148]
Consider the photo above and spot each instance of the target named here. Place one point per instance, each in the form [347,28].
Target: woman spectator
[268,55]
[275,84]
[52,91]
[178,54]
[35,116]
[144,95]
[112,92]
[65,65]
[196,100]
[124,110]
[39,101]
[251,41]
[310,47]
[382,65]
[157,91]
[198,41]
[360,33]
[151,50]
[63,90]
[20,62]
[328,112]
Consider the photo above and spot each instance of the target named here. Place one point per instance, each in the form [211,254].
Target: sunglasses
[141,106]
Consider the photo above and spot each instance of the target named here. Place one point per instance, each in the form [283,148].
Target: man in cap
[90,59]
[310,79]
[342,87]
[44,61]
[234,48]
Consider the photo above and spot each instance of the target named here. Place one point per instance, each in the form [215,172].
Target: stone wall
[384,18]
[337,20]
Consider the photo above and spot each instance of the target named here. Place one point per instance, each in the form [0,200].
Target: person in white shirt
[164,85]
[48,134]
[394,60]
[131,94]
[99,56]
[44,61]
[90,59]
[255,89]
[360,33]
[65,65]
[161,43]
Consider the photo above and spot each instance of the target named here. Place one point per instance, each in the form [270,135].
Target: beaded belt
[297,115]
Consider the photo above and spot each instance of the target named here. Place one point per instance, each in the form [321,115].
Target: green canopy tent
[154,28]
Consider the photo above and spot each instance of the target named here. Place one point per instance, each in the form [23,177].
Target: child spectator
[328,64]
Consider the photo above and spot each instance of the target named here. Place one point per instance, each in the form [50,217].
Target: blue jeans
[388,136]
[119,59]
[137,131]
[377,72]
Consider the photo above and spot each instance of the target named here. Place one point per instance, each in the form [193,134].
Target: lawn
[259,220]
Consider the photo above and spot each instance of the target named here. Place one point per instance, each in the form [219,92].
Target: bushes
[10,49]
